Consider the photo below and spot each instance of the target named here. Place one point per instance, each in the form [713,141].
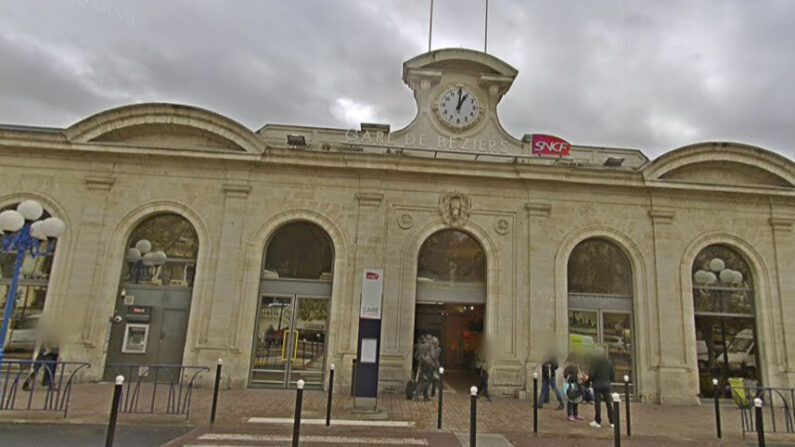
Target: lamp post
[719,278]
[24,233]
[143,258]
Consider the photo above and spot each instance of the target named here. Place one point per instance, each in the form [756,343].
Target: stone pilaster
[672,371]
[542,309]
[221,310]
[783,309]
[84,280]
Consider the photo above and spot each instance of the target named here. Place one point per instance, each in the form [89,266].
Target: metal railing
[37,385]
[779,403]
[163,389]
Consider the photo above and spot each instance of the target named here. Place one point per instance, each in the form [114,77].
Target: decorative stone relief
[502,226]
[455,208]
[405,221]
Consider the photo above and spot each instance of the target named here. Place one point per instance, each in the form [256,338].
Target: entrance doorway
[600,305]
[459,329]
[290,341]
[450,305]
[290,328]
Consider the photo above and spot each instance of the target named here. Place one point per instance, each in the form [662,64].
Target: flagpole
[486,31]
[430,28]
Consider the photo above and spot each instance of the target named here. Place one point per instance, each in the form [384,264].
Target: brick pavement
[655,424]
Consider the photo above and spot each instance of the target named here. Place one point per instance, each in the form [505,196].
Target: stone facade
[377,194]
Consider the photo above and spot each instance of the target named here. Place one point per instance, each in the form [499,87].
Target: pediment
[170,136]
[727,173]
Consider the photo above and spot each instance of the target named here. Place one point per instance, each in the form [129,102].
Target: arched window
[155,293]
[600,302]
[299,250]
[31,293]
[723,292]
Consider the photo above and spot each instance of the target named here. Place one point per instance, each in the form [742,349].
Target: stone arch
[254,252]
[114,257]
[639,291]
[408,277]
[771,347]
[158,116]
[53,300]
[780,169]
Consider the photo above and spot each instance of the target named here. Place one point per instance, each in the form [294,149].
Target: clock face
[459,107]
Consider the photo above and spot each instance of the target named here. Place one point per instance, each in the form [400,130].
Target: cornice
[239,190]
[781,223]
[369,198]
[661,216]
[538,209]
[98,183]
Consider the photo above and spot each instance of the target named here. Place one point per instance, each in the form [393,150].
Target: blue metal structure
[21,242]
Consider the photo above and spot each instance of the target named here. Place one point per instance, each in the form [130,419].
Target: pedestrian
[572,389]
[47,357]
[426,370]
[601,374]
[548,381]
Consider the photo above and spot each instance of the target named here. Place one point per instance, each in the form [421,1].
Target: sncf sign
[549,145]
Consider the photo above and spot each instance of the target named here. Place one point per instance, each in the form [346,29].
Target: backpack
[573,390]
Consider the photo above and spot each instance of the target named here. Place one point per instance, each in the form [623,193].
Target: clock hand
[460,102]
[458,106]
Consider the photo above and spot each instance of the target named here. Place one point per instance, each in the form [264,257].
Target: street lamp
[143,258]
[718,279]
[24,233]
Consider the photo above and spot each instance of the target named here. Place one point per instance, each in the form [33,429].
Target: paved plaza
[249,417]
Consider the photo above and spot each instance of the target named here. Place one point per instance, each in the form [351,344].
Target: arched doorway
[450,304]
[293,308]
[600,303]
[31,294]
[150,320]
[723,302]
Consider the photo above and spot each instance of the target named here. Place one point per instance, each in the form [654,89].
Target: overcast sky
[653,75]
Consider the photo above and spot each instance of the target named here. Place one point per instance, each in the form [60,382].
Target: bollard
[473,419]
[626,397]
[535,402]
[616,420]
[330,394]
[114,412]
[717,406]
[299,398]
[441,390]
[215,390]
[760,425]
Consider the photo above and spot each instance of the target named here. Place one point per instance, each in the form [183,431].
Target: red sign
[372,275]
[549,145]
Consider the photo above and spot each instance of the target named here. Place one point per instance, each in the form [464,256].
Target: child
[573,390]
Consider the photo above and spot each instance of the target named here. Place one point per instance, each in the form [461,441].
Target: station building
[191,238]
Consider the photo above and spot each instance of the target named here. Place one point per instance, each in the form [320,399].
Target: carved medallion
[405,221]
[502,226]
[454,207]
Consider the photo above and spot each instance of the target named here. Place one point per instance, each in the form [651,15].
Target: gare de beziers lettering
[443,142]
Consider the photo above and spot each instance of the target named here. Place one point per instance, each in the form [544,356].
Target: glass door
[309,341]
[583,330]
[272,340]
[617,336]
[290,342]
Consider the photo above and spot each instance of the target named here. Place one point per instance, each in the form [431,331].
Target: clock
[458,107]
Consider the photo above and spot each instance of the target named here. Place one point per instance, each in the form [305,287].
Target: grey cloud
[646,74]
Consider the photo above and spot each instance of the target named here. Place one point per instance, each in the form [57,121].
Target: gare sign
[549,145]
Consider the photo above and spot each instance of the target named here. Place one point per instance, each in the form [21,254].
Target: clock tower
[457,91]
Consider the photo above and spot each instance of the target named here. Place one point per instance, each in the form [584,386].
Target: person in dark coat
[601,374]
[548,381]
